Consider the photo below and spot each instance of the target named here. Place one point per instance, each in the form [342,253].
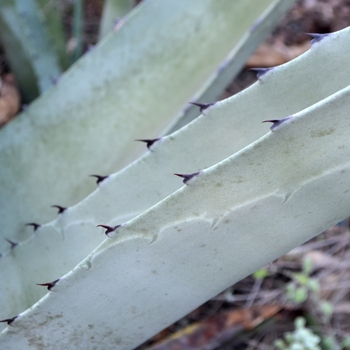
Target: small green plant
[302,285]
[301,339]
[261,274]
[346,343]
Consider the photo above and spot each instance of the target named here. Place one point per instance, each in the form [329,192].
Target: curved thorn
[60,209]
[149,142]
[13,244]
[49,285]
[34,224]
[260,71]
[271,121]
[100,178]
[202,106]
[109,229]
[187,177]
[316,37]
[276,122]
[9,320]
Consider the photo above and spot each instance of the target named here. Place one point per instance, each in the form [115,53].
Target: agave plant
[248,194]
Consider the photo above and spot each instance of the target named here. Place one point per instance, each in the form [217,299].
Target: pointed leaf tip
[60,209]
[100,178]
[261,71]
[317,37]
[276,122]
[34,224]
[109,229]
[9,320]
[13,244]
[49,285]
[202,106]
[187,177]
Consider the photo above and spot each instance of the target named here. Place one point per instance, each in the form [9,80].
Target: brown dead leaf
[9,99]
[271,55]
[209,334]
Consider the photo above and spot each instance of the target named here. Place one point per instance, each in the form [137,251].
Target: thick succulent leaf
[227,127]
[28,48]
[87,123]
[52,11]
[228,221]
[113,12]
[231,66]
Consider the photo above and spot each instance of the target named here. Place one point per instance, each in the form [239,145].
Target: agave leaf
[58,246]
[228,221]
[52,13]
[27,45]
[235,60]
[87,123]
[113,12]
[77,29]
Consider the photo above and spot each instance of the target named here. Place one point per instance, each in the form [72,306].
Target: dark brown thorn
[9,320]
[149,142]
[49,285]
[60,209]
[35,225]
[187,177]
[202,106]
[260,71]
[271,121]
[109,229]
[13,244]
[275,122]
[316,37]
[100,178]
